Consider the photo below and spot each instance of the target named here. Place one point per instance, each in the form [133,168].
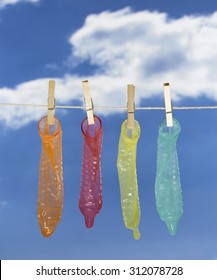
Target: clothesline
[110,107]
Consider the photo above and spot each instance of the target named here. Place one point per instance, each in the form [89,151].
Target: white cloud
[145,48]
[148,48]
[4,3]
[34,92]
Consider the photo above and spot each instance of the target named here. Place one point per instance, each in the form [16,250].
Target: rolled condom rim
[99,129]
[170,132]
[135,131]
[56,133]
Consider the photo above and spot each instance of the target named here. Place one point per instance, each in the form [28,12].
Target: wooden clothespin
[168,105]
[131,105]
[51,102]
[88,102]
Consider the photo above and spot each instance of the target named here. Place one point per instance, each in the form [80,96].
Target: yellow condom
[50,186]
[126,165]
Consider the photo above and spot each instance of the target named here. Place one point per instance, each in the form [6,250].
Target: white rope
[110,108]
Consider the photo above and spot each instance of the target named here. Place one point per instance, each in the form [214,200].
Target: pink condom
[90,201]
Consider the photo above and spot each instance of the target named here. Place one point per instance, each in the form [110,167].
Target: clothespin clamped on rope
[131,106]
[168,105]
[51,102]
[88,102]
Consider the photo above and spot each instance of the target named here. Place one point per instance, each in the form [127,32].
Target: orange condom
[50,187]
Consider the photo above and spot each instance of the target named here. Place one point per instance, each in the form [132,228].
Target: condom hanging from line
[126,165]
[50,187]
[168,191]
[90,201]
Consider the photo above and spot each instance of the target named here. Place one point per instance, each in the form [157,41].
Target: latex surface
[90,201]
[50,187]
[168,191]
[126,165]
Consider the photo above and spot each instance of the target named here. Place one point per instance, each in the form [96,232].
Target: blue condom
[168,192]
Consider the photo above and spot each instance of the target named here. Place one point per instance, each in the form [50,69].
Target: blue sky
[111,44]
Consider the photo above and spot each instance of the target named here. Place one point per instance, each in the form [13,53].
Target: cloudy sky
[112,44]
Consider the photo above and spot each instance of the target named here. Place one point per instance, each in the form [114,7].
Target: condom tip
[89,222]
[47,232]
[136,234]
[172,228]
